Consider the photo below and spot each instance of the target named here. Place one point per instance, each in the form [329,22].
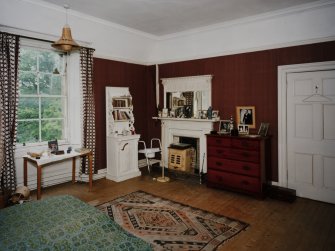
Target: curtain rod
[40,39]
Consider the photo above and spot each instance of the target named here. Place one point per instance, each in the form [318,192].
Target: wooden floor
[274,225]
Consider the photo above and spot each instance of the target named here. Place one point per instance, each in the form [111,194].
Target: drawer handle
[218,163]
[219,151]
[247,168]
[244,182]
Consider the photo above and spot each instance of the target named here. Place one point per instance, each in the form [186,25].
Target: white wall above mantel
[305,24]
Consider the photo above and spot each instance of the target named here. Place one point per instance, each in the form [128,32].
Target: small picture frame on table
[53,146]
[263,129]
[243,129]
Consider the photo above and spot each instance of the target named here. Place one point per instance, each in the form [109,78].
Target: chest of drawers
[238,163]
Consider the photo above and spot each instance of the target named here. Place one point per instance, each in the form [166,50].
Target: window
[42,95]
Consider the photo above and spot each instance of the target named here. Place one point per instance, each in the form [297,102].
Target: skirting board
[123,177]
[281,193]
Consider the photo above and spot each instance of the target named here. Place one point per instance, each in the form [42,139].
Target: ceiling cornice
[264,16]
[91,18]
[250,19]
[248,50]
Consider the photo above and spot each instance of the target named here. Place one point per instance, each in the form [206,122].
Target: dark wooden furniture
[238,163]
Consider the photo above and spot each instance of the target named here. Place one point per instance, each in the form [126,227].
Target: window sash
[43,97]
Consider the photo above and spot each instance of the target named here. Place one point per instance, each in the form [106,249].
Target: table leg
[90,170]
[73,169]
[25,175]
[39,178]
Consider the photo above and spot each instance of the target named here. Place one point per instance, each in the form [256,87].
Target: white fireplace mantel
[182,127]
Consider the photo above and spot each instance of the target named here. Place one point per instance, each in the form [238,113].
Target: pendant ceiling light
[66,43]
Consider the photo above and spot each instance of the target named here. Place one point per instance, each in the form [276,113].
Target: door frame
[283,71]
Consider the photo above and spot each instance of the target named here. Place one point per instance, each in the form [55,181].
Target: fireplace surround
[192,128]
[195,127]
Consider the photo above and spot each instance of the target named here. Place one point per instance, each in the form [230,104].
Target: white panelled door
[311,134]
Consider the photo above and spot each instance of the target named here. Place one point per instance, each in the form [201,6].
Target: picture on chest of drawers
[224,127]
[243,129]
[263,129]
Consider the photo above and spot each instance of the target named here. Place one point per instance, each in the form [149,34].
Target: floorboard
[274,225]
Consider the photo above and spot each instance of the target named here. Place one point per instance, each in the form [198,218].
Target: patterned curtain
[86,67]
[9,56]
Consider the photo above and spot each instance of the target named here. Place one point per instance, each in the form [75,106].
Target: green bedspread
[62,223]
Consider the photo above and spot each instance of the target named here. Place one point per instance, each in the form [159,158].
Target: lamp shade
[66,43]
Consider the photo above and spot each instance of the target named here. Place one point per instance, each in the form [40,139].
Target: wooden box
[181,159]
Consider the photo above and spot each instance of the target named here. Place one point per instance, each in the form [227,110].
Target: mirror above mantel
[187,96]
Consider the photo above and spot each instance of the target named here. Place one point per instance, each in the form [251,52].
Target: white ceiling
[163,17]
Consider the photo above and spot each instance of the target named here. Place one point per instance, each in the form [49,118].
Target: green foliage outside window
[41,111]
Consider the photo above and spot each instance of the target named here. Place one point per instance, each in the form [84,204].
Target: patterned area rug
[168,225]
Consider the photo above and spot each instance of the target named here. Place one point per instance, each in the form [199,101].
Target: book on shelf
[115,115]
[124,115]
[120,115]
[120,102]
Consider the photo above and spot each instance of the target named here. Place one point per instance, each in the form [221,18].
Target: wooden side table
[40,163]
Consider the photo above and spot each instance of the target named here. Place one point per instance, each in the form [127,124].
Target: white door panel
[311,134]
[303,121]
[329,125]
[303,168]
[329,172]
[328,85]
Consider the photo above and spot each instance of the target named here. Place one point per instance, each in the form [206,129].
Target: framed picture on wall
[246,115]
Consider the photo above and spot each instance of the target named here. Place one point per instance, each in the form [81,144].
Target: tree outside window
[42,96]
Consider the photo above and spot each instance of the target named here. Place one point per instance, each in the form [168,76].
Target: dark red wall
[117,74]
[241,79]
[248,79]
